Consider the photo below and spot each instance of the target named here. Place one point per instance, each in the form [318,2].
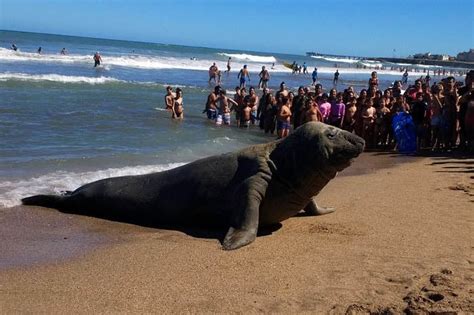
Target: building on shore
[466,56]
[430,56]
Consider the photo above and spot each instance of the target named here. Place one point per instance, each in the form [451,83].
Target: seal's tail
[48,201]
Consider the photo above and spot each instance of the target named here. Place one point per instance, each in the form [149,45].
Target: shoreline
[377,252]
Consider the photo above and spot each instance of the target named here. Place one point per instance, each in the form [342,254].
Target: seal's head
[315,150]
[330,146]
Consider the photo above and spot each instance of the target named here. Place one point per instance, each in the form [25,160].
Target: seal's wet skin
[258,186]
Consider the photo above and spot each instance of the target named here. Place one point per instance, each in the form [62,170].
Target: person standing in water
[169,98]
[63,51]
[405,77]
[228,65]
[336,77]
[39,50]
[213,70]
[314,75]
[243,76]
[264,77]
[97,59]
[177,109]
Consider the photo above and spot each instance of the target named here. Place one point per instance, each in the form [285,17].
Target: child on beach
[382,124]
[325,108]
[418,113]
[350,114]
[338,109]
[312,112]
[368,119]
[374,81]
[245,116]
[283,118]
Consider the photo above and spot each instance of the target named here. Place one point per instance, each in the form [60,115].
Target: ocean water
[64,123]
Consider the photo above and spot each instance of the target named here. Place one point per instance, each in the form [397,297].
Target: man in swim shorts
[243,76]
[224,108]
[211,104]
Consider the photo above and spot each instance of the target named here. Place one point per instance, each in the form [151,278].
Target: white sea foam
[11,192]
[334,59]
[56,78]
[251,58]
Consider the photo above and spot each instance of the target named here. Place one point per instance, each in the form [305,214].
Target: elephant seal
[257,186]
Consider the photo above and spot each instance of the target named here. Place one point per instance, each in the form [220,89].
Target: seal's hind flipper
[312,208]
[47,201]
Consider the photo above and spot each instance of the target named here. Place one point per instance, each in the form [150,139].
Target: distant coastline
[408,61]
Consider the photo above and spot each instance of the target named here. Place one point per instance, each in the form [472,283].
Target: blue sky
[364,28]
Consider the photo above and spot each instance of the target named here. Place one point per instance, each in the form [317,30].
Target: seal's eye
[331,134]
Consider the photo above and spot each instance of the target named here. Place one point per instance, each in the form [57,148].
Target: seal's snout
[357,142]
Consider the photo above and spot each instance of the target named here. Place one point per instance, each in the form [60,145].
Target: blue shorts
[283,125]
[254,115]
[242,80]
[211,114]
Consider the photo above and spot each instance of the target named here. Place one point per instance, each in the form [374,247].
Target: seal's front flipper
[236,238]
[244,226]
[312,208]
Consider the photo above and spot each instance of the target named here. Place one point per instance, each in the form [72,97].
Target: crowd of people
[442,113]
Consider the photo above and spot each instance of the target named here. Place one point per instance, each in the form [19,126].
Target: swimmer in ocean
[97,59]
[228,65]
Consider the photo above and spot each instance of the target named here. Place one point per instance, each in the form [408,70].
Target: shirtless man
[252,102]
[213,73]
[211,104]
[243,76]
[177,109]
[169,98]
[282,91]
[264,77]
[283,117]
[224,108]
[349,117]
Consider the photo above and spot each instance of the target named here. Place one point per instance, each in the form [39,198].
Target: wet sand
[400,240]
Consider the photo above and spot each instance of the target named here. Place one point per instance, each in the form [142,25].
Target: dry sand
[401,240]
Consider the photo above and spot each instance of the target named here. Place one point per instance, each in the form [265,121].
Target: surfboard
[404,130]
[288,65]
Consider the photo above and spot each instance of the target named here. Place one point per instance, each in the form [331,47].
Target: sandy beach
[401,240]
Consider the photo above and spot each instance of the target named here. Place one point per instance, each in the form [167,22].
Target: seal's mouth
[349,147]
